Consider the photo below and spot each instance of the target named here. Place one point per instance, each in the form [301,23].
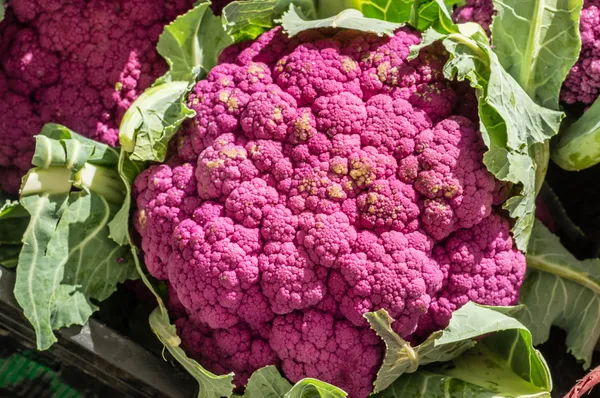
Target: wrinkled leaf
[425,384]
[469,322]
[493,368]
[420,14]
[67,259]
[401,357]
[193,42]
[562,291]
[537,43]
[210,385]
[294,23]
[153,119]
[313,388]
[267,382]
[511,123]
[246,20]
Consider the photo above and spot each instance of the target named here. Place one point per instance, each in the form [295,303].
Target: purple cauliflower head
[324,176]
[582,84]
[78,63]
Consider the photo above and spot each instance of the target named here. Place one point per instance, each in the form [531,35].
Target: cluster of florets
[582,84]
[323,177]
[75,62]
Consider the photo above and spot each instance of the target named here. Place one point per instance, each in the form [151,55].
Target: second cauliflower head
[74,62]
[324,176]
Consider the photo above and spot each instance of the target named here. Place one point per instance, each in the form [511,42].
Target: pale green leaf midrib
[527,75]
[29,230]
[538,262]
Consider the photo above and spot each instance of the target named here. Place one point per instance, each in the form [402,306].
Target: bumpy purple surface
[323,177]
[75,62]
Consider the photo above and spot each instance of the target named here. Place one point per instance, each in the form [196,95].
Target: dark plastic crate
[94,360]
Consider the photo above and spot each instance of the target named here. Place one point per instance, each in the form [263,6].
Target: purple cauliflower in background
[324,176]
[582,84]
[74,62]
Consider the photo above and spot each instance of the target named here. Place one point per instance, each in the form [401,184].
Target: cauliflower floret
[331,178]
[166,197]
[392,273]
[236,349]
[480,264]
[315,344]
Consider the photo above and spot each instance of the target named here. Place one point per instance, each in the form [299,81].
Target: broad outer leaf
[246,20]
[431,384]
[402,11]
[67,258]
[153,119]
[294,23]
[490,369]
[92,263]
[537,43]
[267,382]
[562,291]
[511,123]
[38,279]
[421,14]
[469,322]
[210,385]
[400,356]
[192,42]
[314,388]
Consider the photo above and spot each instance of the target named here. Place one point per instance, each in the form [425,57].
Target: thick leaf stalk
[101,180]
[538,42]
